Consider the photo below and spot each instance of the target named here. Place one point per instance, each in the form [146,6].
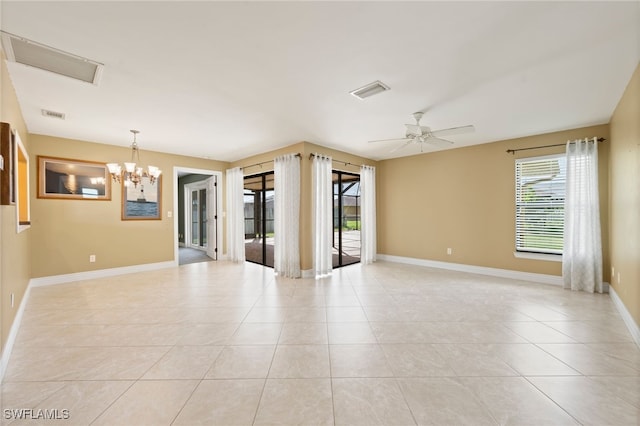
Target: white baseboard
[482,270]
[100,273]
[634,329]
[13,332]
[308,273]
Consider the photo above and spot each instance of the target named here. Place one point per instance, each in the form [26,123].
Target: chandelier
[133,174]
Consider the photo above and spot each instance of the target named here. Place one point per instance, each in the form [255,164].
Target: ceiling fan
[421,134]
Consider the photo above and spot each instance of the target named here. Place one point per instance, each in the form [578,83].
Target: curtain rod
[265,162]
[346,163]
[513,151]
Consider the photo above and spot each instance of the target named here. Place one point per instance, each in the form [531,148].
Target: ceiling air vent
[27,52]
[53,114]
[370,90]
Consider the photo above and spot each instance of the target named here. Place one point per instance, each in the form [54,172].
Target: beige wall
[66,232]
[624,201]
[14,247]
[304,149]
[464,199]
[461,198]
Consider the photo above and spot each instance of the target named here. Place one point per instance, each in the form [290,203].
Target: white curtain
[235,215]
[582,251]
[368,214]
[322,194]
[287,215]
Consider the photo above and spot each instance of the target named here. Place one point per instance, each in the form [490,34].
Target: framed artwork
[68,179]
[7,174]
[142,201]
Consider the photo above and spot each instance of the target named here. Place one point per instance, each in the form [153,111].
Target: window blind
[540,193]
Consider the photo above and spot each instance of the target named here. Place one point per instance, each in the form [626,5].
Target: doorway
[346,218]
[197,204]
[258,218]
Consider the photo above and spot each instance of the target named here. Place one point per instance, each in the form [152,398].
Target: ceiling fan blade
[398,148]
[454,131]
[439,141]
[392,140]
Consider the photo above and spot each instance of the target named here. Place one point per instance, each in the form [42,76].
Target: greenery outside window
[540,194]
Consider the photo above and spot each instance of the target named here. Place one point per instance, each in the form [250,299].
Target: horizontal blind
[540,193]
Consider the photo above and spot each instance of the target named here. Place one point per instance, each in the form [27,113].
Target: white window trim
[538,256]
[533,255]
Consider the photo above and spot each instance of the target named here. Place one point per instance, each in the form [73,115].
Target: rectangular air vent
[370,90]
[53,114]
[27,52]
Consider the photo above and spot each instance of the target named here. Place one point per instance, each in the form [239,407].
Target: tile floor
[221,343]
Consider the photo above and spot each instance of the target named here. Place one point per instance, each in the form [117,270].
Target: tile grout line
[264,384]
[551,399]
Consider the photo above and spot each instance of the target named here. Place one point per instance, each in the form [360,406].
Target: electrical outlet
[92,258]
[449,251]
[618,278]
[169,214]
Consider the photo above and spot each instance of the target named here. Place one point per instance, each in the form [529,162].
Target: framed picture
[68,179]
[142,201]
[7,173]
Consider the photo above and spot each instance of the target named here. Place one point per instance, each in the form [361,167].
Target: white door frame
[218,210]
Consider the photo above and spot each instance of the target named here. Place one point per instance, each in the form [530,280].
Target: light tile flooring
[221,343]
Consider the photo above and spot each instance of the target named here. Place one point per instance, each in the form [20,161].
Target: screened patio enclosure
[258,218]
[346,218]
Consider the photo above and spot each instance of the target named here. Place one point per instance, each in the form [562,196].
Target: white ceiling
[226,80]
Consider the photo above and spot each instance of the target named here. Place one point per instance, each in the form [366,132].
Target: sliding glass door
[346,218]
[258,218]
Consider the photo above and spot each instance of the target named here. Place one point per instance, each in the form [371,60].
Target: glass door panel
[203,217]
[258,216]
[199,218]
[195,219]
[346,218]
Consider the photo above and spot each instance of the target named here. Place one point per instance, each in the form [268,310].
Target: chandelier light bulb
[132,174]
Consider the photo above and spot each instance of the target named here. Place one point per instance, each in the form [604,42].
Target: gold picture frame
[69,179]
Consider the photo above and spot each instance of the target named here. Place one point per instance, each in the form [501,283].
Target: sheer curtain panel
[368,214]
[322,215]
[287,215]
[235,215]
[582,247]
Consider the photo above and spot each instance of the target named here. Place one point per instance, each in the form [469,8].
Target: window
[540,192]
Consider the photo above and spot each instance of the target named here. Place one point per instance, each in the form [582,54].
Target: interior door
[198,215]
[212,217]
[201,216]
